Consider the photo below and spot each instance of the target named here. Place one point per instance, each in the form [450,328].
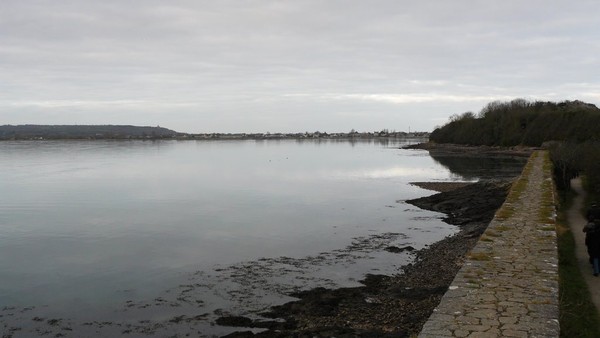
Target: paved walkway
[577,221]
[508,285]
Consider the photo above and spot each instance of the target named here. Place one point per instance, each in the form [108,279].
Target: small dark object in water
[395,249]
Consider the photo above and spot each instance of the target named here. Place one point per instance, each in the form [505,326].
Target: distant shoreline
[126,132]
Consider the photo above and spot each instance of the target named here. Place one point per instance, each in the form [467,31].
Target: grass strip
[578,315]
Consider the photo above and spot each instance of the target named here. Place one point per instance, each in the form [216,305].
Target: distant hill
[521,122]
[30,131]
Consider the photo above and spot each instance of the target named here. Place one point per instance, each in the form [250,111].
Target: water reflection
[388,173]
[88,228]
[385,142]
[473,167]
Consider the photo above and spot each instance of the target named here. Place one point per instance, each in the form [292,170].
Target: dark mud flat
[389,306]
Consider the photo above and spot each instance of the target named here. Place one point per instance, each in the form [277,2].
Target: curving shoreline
[393,306]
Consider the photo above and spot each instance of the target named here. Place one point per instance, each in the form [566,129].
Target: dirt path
[577,221]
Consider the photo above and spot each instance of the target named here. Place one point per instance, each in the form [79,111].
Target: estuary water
[113,237]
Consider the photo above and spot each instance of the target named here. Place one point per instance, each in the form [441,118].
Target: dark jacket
[592,240]
[593,214]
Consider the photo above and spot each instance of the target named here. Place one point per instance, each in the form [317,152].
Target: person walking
[592,241]
[593,212]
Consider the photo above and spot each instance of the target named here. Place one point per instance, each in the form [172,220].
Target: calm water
[128,231]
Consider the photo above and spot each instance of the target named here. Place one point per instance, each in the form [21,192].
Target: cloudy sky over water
[258,66]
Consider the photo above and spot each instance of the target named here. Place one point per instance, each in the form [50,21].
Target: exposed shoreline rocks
[390,306]
[440,186]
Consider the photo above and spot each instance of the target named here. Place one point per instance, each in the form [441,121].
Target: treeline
[522,122]
[30,131]
[570,159]
[569,129]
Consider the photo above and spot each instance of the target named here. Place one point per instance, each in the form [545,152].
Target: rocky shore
[389,306]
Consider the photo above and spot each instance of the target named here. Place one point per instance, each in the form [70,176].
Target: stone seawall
[508,284]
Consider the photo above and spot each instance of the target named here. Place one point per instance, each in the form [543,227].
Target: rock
[476,202]
[395,249]
[236,321]
[240,334]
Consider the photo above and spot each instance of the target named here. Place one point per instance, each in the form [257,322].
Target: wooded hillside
[569,129]
[521,122]
[29,131]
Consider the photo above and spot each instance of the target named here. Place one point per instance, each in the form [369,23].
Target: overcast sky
[258,66]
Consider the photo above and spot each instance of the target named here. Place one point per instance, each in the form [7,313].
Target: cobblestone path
[508,284]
